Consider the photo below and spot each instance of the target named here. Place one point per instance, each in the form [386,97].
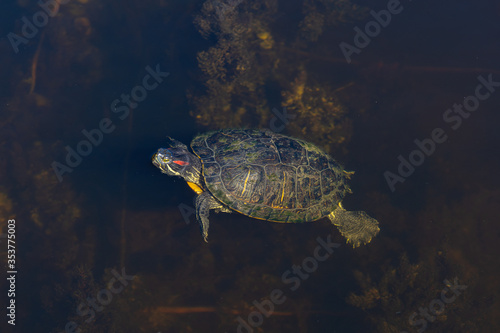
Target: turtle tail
[348,175]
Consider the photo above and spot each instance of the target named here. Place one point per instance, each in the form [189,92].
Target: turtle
[266,176]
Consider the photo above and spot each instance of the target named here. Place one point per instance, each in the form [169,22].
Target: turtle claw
[176,144]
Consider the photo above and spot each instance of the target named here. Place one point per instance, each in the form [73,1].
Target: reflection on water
[107,248]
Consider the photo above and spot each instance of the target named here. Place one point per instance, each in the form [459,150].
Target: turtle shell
[270,176]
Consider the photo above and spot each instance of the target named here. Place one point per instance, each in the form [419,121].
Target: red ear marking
[181,162]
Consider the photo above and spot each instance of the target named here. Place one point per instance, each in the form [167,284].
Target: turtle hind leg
[204,203]
[357,227]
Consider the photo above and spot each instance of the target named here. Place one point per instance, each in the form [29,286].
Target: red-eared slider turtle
[267,176]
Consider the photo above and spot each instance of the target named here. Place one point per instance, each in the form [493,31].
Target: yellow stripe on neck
[195,188]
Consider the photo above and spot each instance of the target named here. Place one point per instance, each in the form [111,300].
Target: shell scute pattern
[270,176]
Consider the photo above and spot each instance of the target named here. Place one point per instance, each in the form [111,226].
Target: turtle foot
[357,227]
[204,203]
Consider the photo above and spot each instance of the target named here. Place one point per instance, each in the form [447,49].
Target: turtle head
[178,161]
[169,161]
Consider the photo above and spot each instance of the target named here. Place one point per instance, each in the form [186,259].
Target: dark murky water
[106,243]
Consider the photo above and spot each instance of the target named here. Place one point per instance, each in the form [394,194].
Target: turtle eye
[162,156]
[165,155]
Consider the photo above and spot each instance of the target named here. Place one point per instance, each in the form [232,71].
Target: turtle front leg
[204,203]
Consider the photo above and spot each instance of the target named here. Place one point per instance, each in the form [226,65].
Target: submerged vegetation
[116,212]
[254,65]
